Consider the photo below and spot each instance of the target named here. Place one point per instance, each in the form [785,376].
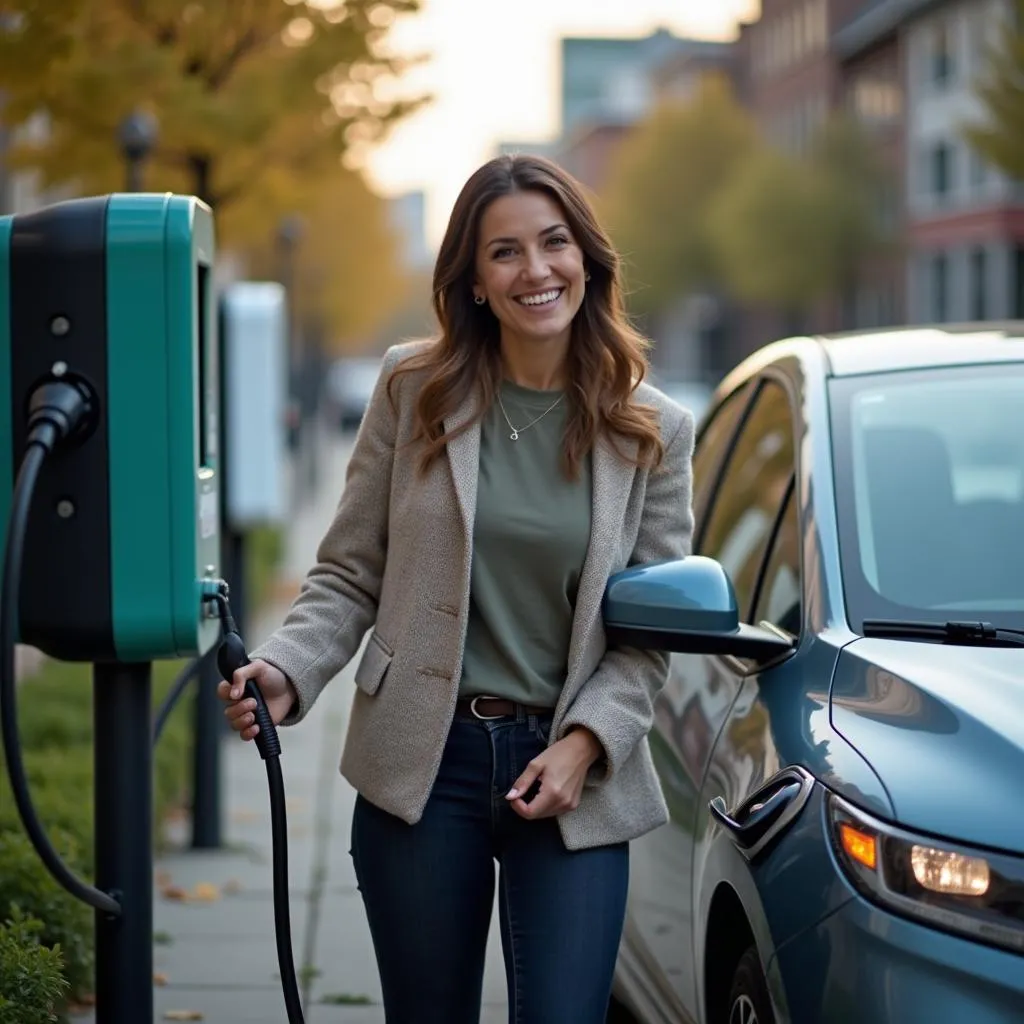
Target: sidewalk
[215,953]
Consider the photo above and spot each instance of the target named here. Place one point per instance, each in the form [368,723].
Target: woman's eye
[558,240]
[501,253]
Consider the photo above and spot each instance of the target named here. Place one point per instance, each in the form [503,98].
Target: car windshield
[929,474]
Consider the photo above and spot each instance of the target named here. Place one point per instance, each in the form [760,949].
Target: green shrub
[66,923]
[56,725]
[32,985]
[263,550]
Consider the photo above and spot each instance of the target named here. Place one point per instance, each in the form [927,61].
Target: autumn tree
[661,187]
[999,137]
[347,273]
[766,230]
[251,96]
[790,231]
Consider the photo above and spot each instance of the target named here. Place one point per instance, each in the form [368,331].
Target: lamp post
[137,135]
[289,235]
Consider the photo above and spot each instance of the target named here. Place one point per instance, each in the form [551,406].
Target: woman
[501,474]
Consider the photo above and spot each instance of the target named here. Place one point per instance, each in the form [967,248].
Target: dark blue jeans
[428,889]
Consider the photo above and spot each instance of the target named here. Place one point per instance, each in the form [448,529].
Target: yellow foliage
[257,103]
[249,95]
[347,272]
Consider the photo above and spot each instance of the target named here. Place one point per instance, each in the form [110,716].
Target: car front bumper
[862,963]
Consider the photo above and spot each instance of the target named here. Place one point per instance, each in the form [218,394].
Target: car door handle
[760,818]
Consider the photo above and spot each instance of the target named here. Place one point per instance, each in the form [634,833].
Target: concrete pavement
[215,954]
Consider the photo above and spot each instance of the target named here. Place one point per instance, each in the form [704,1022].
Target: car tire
[749,1002]
[618,1014]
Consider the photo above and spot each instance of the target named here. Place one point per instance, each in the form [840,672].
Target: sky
[494,73]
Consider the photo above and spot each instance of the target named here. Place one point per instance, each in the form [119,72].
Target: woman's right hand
[277,691]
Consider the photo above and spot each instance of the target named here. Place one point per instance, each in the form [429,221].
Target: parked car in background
[843,771]
[349,385]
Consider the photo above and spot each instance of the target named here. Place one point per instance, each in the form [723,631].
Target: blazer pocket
[373,665]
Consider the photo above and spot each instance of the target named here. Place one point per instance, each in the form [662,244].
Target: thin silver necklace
[516,431]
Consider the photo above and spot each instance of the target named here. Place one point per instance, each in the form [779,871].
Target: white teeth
[540,300]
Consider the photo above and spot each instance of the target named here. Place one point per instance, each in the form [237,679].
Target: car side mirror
[687,606]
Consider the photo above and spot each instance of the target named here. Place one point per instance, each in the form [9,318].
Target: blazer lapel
[612,481]
[464,459]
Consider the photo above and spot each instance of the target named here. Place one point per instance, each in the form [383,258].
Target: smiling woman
[502,472]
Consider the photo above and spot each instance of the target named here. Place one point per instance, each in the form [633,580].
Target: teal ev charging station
[109,495]
[115,292]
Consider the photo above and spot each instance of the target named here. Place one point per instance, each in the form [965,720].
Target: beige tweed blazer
[396,559]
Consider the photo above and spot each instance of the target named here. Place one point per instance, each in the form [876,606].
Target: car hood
[943,727]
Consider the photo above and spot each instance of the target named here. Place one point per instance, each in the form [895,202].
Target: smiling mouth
[540,300]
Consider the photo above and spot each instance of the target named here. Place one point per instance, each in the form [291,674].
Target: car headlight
[976,893]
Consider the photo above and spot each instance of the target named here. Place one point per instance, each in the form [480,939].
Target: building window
[977,170]
[877,100]
[941,169]
[940,287]
[942,63]
[979,284]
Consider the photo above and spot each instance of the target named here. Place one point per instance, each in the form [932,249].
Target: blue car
[841,739]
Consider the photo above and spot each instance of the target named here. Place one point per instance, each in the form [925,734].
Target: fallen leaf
[159,978]
[173,892]
[162,878]
[183,1015]
[232,885]
[206,892]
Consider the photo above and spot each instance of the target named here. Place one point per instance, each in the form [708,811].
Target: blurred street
[215,951]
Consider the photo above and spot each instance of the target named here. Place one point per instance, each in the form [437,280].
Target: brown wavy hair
[607,358]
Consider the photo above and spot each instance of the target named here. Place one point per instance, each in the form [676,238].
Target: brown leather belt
[496,707]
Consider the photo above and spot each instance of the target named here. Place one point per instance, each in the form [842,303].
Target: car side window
[779,595]
[713,445]
[744,510]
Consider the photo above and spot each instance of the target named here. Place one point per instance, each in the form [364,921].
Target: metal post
[206,781]
[123,798]
[237,580]
[133,175]
[137,136]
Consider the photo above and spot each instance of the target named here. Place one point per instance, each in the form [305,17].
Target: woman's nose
[537,268]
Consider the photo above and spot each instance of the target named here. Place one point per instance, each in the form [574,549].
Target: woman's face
[529,268]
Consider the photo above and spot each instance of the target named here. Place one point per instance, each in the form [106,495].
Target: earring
[479,300]
[586,275]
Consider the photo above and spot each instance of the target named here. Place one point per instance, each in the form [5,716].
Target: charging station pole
[123,757]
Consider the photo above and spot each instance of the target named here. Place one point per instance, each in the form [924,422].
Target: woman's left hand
[561,771]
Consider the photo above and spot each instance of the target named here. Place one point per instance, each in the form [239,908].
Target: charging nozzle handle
[231,656]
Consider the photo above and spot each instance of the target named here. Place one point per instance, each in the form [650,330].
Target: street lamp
[137,135]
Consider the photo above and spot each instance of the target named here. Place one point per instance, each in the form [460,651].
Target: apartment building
[965,220]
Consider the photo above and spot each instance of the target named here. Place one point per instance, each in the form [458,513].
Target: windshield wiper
[957,632]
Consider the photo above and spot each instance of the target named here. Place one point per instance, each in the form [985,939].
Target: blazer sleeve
[617,702]
[338,599]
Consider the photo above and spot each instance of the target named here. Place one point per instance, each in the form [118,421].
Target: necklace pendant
[514,435]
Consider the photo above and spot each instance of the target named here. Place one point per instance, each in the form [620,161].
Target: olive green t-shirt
[530,539]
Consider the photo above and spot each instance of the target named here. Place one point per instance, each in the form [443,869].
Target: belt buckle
[476,714]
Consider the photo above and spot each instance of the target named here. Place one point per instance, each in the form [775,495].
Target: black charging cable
[63,411]
[231,656]
[60,411]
